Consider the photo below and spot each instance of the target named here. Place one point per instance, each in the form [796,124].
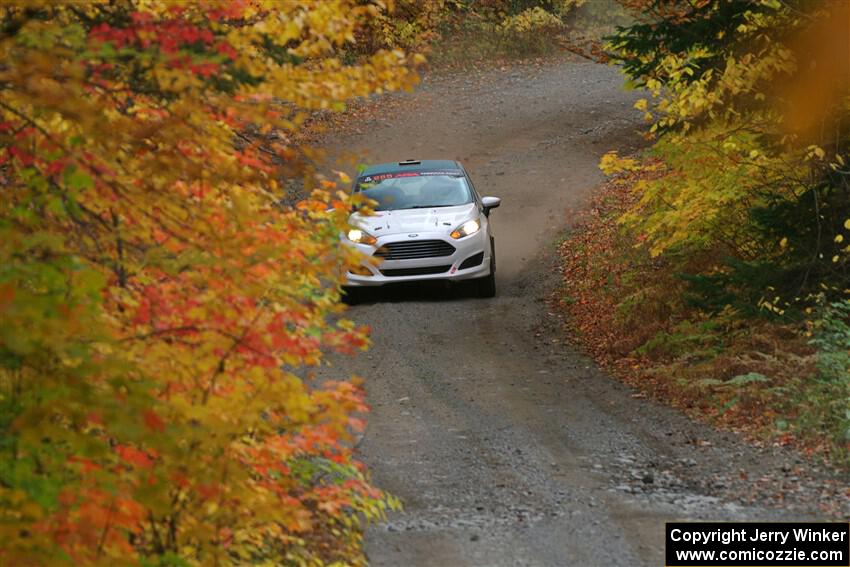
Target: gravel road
[506,445]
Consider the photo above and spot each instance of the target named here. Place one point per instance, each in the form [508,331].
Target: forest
[716,261]
[163,305]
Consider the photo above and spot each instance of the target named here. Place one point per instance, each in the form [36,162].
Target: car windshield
[415,189]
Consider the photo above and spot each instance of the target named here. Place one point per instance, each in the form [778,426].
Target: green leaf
[78,180]
[749,378]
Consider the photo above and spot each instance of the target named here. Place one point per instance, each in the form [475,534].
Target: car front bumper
[423,269]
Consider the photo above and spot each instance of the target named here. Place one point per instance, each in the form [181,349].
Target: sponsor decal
[397,175]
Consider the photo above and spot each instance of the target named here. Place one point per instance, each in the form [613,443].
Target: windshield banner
[383,176]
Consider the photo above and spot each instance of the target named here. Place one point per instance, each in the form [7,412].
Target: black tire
[351,295]
[487,284]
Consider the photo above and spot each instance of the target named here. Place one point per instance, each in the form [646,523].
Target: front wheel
[487,284]
[351,295]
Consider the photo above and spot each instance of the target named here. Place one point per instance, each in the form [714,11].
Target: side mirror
[490,203]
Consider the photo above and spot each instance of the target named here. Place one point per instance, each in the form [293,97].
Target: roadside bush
[529,31]
[827,405]
[630,311]
[747,208]
[712,271]
[465,31]
[755,174]
[410,25]
[160,309]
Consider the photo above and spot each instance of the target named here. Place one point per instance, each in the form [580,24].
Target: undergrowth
[469,41]
[783,380]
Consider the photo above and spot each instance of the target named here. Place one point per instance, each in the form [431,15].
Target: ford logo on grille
[412,235]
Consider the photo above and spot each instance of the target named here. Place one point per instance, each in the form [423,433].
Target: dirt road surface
[506,446]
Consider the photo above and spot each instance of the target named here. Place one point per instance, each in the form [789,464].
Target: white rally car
[429,224]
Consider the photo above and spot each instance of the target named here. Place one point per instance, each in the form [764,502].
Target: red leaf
[133,456]
[153,421]
[23,156]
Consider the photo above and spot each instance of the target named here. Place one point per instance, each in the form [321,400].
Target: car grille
[423,271]
[414,249]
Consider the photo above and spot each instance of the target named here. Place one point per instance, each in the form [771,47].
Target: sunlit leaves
[729,122]
[160,309]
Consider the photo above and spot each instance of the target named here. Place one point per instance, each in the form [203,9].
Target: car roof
[414,165]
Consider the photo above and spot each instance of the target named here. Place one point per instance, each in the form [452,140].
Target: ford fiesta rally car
[429,224]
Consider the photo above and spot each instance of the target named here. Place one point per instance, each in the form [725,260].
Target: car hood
[414,220]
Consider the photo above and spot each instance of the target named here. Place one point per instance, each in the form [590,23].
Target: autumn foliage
[160,310]
[717,273]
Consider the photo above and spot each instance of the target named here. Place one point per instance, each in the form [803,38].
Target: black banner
[757,544]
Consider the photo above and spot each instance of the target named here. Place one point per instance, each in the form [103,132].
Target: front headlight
[361,236]
[466,229]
